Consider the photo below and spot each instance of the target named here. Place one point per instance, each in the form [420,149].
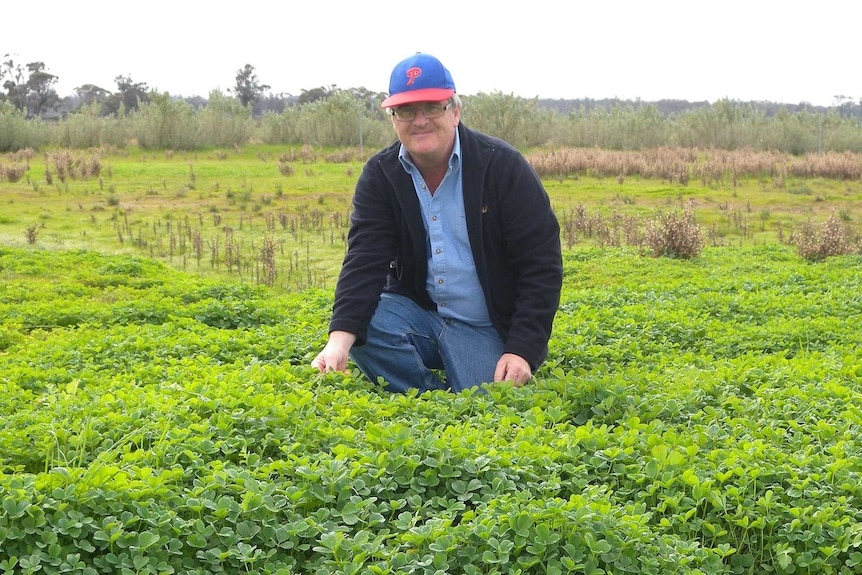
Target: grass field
[280,215]
[159,413]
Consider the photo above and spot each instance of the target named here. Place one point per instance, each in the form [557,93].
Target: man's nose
[420,112]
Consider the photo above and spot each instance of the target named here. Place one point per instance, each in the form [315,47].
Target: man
[453,263]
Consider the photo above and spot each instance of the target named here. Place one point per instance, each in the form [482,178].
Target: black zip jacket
[513,231]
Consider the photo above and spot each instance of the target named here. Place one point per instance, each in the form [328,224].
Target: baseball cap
[419,78]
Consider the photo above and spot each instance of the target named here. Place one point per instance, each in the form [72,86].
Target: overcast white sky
[767,50]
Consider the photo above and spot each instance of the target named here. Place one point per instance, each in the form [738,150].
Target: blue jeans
[408,345]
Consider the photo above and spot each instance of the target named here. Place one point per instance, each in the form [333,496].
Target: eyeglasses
[430,110]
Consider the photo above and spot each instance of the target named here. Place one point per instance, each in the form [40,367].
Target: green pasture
[159,414]
[180,208]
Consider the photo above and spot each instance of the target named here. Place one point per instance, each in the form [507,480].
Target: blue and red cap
[419,78]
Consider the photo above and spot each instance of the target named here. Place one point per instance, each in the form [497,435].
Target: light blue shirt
[452,281]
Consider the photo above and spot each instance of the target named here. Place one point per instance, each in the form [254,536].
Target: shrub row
[345,118]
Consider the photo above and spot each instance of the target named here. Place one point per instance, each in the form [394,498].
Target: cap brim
[426,95]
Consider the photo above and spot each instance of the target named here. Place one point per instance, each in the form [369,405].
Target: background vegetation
[279,215]
[33,115]
[353,118]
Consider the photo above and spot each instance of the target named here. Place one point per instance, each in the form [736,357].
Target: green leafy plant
[694,416]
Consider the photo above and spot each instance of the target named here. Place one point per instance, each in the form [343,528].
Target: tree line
[31,90]
[32,115]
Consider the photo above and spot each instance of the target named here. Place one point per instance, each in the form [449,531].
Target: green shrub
[17,132]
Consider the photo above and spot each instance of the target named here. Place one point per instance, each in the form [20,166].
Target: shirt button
[437,251]
[433,218]
[443,304]
[440,282]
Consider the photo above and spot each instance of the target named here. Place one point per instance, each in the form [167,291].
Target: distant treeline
[352,117]
[845,107]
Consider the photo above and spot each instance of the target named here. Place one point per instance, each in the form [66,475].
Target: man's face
[429,140]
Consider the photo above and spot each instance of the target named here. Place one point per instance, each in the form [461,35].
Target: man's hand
[513,368]
[334,355]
